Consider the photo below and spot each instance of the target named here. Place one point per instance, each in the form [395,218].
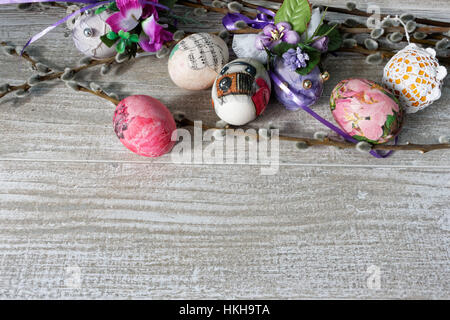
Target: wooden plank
[74,201]
[169,231]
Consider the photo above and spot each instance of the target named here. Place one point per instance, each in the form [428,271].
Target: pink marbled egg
[144,125]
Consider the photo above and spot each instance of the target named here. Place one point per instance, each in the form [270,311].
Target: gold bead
[325,76]
[307,84]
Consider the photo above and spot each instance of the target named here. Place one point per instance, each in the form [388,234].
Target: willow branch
[100,94]
[384,53]
[212,9]
[357,12]
[55,74]
[25,56]
[254,6]
[426,29]
[422,148]
[364,51]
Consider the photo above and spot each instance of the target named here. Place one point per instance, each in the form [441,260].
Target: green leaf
[307,48]
[168,3]
[309,39]
[112,35]
[282,48]
[100,9]
[332,103]
[126,35]
[361,138]
[389,121]
[113,7]
[314,59]
[335,38]
[120,47]
[134,38]
[108,42]
[296,12]
[121,33]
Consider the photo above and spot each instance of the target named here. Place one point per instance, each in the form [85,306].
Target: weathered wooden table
[81,217]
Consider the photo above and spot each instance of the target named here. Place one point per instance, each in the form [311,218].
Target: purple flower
[321,44]
[154,35]
[130,12]
[275,34]
[295,59]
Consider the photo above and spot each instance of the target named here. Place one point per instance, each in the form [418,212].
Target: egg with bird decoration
[196,60]
[366,111]
[308,88]
[241,92]
[144,125]
[415,77]
[86,33]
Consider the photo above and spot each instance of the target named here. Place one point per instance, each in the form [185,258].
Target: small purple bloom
[295,59]
[321,44]
[275,34]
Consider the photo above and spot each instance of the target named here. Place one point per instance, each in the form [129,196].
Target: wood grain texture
[72,198]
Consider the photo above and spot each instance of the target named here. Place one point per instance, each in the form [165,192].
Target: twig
[254,6]
[364,51]
[25,55]
[58,5]
[100,94]
[423,148]
[396,29]
[357,12]
[56,75]
[210,8]
[384,53]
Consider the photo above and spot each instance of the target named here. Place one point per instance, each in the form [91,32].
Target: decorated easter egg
[86,33]
[144,125]
[241,91]
[308,88]
[196,60]
[415,77]
[366,111]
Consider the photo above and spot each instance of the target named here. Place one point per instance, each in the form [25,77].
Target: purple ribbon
[35,1]
[92,4]
[53,26]
[339,131]
[263,18]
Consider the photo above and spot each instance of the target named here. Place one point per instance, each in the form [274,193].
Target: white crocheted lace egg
[415,77]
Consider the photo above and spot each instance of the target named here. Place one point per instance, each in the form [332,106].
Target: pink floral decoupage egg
[366,111]
[195,61]
[144,125]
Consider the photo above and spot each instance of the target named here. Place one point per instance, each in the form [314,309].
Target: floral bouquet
[134,24]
